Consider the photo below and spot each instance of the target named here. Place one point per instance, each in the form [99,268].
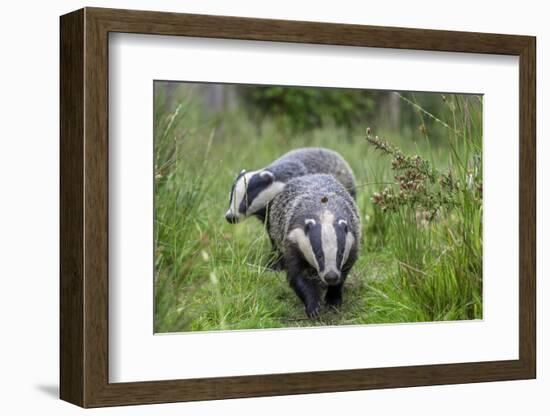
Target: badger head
[325,243]
[251,192]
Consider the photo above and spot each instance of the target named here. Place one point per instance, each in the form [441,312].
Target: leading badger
[315,225]
[252,191]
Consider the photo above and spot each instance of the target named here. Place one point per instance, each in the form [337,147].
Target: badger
[315,224]
[252,191]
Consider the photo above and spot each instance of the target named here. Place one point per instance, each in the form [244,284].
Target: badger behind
[252,191]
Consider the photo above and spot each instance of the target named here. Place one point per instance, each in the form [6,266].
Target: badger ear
[267,175]
[343,224]
[310,222]
[242,171]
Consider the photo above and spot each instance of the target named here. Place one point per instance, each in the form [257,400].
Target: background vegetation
[419,193]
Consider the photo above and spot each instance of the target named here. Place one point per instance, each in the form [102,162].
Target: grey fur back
[312,160]
[303,197]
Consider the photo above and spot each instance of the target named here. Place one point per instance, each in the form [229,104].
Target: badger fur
[315,225]
[252,191]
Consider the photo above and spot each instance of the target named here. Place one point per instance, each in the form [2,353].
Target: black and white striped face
[325,243]
[251,192]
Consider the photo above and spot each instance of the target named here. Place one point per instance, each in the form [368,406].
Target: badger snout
[231,218]
[331,278]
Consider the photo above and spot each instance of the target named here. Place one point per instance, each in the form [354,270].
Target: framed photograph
[257,207]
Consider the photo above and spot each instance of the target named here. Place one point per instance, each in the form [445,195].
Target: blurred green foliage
[300,109]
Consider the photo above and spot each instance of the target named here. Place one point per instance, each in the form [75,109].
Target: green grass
[210,275]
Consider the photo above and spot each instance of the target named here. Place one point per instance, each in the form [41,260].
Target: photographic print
[284,206]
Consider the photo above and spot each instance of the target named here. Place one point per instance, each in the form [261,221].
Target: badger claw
[313,311]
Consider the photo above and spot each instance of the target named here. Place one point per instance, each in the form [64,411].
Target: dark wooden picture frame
[84,207]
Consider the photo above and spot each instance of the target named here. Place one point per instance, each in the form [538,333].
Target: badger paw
[332,300]
[313,310]
[276,264]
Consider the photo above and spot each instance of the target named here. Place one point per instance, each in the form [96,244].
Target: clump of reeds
[417,184]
